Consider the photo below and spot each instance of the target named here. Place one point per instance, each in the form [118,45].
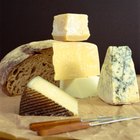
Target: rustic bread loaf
[24,63]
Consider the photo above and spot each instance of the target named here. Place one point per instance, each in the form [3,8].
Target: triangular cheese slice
[118,83]
[44,98]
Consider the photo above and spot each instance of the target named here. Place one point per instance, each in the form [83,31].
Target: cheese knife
[68,125]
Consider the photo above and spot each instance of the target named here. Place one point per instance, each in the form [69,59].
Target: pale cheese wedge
[70,27]
[54,93]
[75,60]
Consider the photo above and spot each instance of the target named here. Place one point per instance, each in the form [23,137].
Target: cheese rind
[75,60]
[81,87]
[118,82]
[70,27]
[54,93]
[35,104]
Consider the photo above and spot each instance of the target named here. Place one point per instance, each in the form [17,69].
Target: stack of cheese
[76,65]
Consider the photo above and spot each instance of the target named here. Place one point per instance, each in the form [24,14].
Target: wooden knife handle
[43,125]
[63,128]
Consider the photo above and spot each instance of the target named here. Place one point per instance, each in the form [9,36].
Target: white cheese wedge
[75,60]
[70,27]
[118,82]
[54,93]
[81,87]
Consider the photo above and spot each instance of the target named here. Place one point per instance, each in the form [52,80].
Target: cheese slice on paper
[118,82]
[75,60]
[70,27]
[44,98]
[81,87]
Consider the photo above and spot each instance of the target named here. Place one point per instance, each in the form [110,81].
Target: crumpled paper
[16,127]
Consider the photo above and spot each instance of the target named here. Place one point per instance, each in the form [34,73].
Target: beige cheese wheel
[70,27]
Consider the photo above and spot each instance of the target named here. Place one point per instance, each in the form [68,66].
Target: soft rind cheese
[75,60]
[118,82]
[81,87]
[70,27]
[54,93]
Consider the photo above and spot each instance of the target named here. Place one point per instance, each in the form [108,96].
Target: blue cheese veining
[118,82]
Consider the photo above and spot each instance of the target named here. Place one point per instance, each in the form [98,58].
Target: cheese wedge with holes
[81,87]
[44,98]
[70,27]
[118,82]
[75,60]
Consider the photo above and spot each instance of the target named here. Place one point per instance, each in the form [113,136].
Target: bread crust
[17,56]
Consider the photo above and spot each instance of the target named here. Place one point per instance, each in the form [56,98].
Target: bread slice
[24,63]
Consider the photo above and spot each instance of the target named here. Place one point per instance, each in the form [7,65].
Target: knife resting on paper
[68,125]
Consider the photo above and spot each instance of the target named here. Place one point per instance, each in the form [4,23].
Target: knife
[68,125]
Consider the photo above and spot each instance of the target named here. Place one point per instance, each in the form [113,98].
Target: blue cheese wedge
[118,82]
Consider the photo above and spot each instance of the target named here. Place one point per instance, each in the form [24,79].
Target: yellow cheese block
[70,27]
[81,87]
[75,60]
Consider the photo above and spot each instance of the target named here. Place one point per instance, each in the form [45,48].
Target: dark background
[111,22]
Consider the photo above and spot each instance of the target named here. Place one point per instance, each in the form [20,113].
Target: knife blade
[112,120]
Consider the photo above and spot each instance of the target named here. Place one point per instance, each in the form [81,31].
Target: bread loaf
[24,63]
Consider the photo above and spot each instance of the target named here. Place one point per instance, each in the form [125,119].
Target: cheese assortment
[76,65]
[80,87]
[70,27]
[75,60]
[43,98]
[118,82]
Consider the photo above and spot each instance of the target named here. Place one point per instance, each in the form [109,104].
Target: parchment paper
[15,127]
